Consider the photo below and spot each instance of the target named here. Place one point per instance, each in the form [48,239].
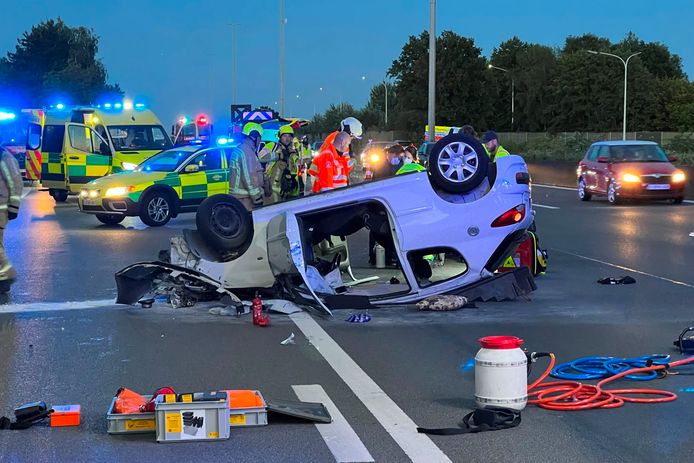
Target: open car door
[286,254]
[88,156]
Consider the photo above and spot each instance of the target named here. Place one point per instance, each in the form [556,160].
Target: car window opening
[436,265]
[326,238]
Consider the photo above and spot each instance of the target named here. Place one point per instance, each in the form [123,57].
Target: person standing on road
[246,174]
[410,163]
[494,150]
[283,166]
[354,129]
[394,161]
[10,196]
[328,168]
[468,130]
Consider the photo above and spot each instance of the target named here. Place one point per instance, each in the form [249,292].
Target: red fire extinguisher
[259,318]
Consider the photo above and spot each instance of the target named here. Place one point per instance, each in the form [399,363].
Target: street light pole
[513,92]
[385,87]
[626,67]
[282,58]
[432,71]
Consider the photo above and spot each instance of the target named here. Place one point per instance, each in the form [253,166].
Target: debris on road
[289,340]
[359,318]
[442,303]
[625,280]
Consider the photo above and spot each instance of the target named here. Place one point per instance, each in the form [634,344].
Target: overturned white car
[464,207]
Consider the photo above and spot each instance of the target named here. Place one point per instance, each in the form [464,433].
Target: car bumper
[111,206]
[642,191]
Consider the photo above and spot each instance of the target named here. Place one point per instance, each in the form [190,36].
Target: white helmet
[352,126]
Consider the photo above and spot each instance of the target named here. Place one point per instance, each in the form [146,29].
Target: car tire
[224,224]
[60,196]
[156,208]
[110,219]
[458,163]
[583,194]
[612,197]
[678,200]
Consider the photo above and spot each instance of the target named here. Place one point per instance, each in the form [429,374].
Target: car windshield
[166,161]
[138,137]
[637,153]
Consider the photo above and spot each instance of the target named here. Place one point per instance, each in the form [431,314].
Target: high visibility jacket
[329,170]
[10,186]
[411,167]
[346,157]
[281,161]
[245,172]
[500,151]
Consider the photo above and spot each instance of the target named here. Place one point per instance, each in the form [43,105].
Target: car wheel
[612,197]
[60,196]
[678,200]
[458,163]
[156,208]
[110,219]
[224,223]
[583,193]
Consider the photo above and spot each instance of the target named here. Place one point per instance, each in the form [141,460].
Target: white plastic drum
[501,375]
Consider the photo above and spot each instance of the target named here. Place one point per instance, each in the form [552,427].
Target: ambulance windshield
[138,137]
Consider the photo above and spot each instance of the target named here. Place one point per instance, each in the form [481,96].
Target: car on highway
[629,169]
[373,157]
[274,248]
[173,181]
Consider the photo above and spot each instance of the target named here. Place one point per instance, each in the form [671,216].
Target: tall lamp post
[431,110]
[283,21]
[626,67]
[513,92]
[385,88]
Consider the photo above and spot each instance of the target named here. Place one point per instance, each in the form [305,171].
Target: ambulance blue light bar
[222,140]
[7,116]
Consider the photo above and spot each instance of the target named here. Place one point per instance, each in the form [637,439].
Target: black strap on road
[480,420]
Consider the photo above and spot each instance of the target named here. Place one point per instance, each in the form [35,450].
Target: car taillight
[522,178]
[510,217]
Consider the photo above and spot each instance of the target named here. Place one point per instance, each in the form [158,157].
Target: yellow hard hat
[252,127]
[285,129]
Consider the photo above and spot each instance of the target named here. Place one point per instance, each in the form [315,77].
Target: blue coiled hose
[587,368]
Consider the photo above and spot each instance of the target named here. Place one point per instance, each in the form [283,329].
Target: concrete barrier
[563,173]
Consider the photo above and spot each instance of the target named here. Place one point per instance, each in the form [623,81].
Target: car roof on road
[624,142]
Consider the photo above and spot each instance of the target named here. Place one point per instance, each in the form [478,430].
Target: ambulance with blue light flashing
[13,134]
[171,182]
[187,129]
[82,143]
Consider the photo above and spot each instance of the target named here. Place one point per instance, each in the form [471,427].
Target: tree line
[556,89]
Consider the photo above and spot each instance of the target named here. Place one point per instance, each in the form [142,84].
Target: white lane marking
[418,447]
[621,267]
[688,201]
[554,186]
[56,306]
[545,206]
[339,436]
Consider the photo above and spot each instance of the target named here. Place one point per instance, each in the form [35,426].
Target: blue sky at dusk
[178,54]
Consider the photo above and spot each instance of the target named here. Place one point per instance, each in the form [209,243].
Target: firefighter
[10,196]
[283,166]
[247,181]
[328,169]
[494,150]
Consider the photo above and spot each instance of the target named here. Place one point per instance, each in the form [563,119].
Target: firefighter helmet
[252,127]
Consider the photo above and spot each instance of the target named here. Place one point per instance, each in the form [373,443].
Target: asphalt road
[76,353]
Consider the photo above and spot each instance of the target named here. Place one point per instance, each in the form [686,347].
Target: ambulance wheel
[156,208]
[224,223]
[458,163]
[110,219]
[60,196]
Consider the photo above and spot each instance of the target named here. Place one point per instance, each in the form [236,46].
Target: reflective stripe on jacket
[10,186]
[500,152]
[245,171]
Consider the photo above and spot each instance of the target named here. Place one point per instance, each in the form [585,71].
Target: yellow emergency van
[80,144]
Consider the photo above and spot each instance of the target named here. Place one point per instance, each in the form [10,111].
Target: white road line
[545,206]
[418,447]
[621,267]
[339,436]
[554,186]
[55,306]
[688,201]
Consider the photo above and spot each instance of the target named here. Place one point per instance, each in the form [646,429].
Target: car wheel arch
[168,190]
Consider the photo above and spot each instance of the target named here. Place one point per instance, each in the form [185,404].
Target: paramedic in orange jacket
[328,169]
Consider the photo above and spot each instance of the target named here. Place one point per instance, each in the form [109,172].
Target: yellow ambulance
[83,143]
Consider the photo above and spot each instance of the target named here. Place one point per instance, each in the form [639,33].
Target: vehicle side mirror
[190,168]
[603,159]
[672,158]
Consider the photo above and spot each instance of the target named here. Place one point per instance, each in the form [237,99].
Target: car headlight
[678,177]
[84,193]
[117,191]
[374,158]
[630,178]
[129,166]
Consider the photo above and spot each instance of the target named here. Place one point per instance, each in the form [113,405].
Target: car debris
[297,250]
[625,280]
[444,302]
[289,340]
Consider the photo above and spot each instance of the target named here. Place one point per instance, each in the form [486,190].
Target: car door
[286,255]
[86,155]
[589,168]
[603,169]
[203,176]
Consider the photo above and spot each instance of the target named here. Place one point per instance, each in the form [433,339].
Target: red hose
[572,395]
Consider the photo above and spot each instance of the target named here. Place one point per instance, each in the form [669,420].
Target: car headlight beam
[678,177]
[129,165]
[117,191]
[630,178]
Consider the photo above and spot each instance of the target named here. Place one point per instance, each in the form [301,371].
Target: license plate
[91,202]
[664,186]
